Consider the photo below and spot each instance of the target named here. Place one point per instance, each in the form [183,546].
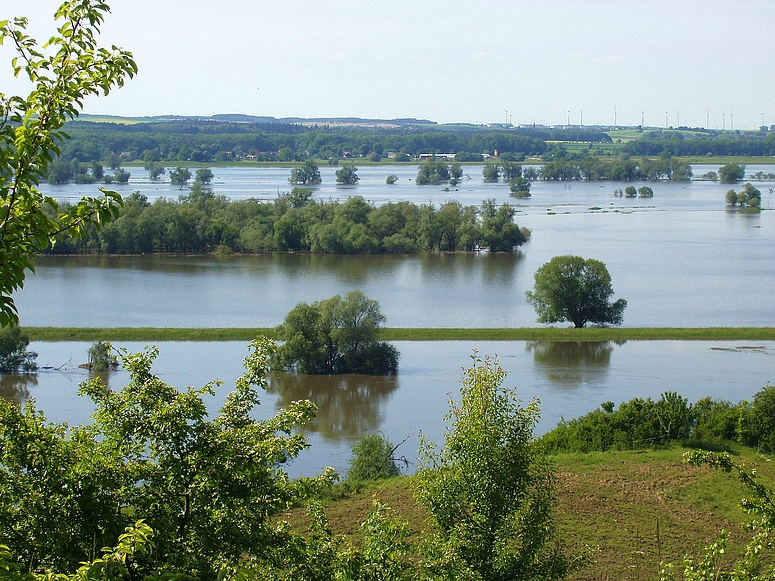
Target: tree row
[201,222]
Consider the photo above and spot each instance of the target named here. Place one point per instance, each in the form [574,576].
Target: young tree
[490,490]
[570,288]
[491,172]
[372,458]
[756,562]
[432,172]
[520,187]
[30,132]
[455,172]
[121,176]
[336,335]
[101,357]
[499,231]
[155,170]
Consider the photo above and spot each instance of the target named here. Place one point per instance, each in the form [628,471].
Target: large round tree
[574,289]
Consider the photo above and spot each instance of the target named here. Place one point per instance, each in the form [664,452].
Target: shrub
[372,459]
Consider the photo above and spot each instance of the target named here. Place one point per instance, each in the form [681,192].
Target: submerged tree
[574,289]
[731,173]
[490,490]
[347,175]
[336,335]
[307,173]
[14,357]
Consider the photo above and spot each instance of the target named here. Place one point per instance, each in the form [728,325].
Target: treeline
[201,222]
[208,142]
[760,143]
[644,423]
[625,169]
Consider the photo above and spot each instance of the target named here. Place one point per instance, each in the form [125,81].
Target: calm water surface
[680,259]
[675,268]
[569,379]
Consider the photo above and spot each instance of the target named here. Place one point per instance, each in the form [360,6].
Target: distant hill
[242,118]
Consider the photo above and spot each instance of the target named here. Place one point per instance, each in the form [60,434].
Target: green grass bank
[414,334]
[635,509]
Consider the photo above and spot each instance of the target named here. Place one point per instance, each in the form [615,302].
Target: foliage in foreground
[209,492]
[209,488]
[30,131]
[336,335]
[756,563]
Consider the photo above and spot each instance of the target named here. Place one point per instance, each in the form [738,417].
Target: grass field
[412,334]
[634,509]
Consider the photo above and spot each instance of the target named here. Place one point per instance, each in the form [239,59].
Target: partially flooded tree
[336,335]
[14,356]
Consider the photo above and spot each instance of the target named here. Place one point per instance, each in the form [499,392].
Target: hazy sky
[448,61]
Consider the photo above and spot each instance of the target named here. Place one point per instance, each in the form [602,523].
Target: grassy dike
[413,334]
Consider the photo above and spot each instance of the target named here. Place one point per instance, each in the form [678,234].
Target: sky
[590,62]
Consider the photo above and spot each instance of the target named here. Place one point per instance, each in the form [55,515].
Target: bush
[372,459]
[14,357]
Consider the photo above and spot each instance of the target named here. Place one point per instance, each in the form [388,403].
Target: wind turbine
[677,119]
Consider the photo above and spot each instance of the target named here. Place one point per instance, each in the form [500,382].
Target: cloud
[579,55]
[478,56]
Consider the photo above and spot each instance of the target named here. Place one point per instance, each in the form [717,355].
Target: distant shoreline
[52,334]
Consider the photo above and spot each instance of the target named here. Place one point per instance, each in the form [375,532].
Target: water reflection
[15,387]
[572,362]
[348,405]
[103,376]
